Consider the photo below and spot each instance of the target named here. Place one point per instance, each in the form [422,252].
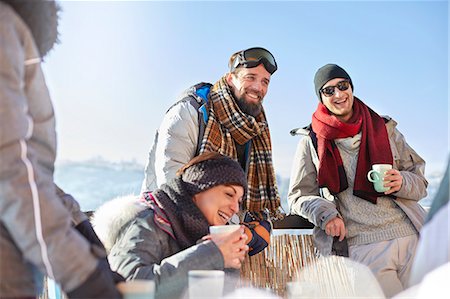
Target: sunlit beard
[253,109]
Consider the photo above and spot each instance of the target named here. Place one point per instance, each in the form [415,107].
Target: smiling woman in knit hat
[164,234]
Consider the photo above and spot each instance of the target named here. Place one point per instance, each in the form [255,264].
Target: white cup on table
[137,289]
[206,284]
[302,289]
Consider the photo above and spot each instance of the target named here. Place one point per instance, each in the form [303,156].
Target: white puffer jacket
[175,141]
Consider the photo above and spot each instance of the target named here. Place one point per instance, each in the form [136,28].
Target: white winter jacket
[175,141]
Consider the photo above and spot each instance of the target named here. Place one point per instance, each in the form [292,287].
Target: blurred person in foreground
[163,234]
[431,267]
[433,249]
[36,217]
[329,184]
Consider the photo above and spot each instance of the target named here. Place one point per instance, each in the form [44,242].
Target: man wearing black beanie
[327,72]
[330,187]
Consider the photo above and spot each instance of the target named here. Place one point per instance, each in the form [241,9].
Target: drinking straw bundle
[279,263]
[339,277]
[331,276]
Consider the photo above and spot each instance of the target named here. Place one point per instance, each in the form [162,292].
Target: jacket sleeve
[174,145]
[76,215]
[30,209]
[411,167]
[142,250]
[304,196]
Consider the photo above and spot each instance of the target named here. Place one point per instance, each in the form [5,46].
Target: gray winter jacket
[141,249]
[305,198]
[36,234]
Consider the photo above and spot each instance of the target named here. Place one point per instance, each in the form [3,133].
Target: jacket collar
[391,124]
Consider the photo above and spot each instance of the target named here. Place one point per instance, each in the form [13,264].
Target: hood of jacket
[110,217]
[41,17]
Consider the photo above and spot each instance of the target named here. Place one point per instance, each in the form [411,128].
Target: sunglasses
[253,57]
[329,90]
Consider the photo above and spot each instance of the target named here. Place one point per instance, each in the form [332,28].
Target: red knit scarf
[374,148]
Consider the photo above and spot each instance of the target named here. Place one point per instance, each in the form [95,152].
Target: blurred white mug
[206,284]
[137,289]
[302,289]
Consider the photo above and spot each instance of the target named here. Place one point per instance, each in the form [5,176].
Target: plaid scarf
[374,148]
[228,124]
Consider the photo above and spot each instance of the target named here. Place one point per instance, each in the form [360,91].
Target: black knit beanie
[327,73]
[214,171]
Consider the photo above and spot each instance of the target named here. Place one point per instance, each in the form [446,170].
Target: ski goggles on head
[341,85]
[253,57]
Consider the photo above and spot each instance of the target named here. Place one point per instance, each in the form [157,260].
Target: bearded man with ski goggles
[225,117]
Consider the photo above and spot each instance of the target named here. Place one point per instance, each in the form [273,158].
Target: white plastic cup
[223,229]
[137,289]
[206,284]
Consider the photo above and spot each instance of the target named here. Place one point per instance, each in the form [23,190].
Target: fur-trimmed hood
[41,17]
[109,218]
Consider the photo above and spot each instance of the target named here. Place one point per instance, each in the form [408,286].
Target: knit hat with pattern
[211,169]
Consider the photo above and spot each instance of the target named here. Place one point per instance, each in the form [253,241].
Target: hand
[232,247]
[394,179]
[336,227]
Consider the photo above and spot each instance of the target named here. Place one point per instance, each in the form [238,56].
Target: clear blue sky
[120,65]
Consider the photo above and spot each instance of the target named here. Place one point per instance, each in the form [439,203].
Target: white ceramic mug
[223,229]
[376,176]
[137,289]
[206,284]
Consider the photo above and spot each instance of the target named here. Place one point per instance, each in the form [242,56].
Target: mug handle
[375,173]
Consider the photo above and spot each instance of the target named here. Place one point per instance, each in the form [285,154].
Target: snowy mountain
[96,181]
[93,182]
